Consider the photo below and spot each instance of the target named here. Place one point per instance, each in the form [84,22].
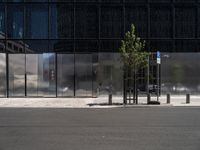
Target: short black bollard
[110,99]
[148,98]
[187,98]
[168,98]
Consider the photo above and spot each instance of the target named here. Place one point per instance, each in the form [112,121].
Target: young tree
[134,58]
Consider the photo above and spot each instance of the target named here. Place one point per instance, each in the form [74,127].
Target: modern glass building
[69,48]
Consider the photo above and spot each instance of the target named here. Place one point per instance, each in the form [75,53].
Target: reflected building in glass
[69,48]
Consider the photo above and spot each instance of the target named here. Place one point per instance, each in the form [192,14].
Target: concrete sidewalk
[84,102]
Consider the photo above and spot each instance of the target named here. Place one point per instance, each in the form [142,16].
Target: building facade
[69,48]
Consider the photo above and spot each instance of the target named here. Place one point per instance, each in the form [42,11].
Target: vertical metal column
[56,72]
[7,63]
[147,88]
[157,82]
[168,98]
[173,24]
[25,76]
[74,48]
[7,75]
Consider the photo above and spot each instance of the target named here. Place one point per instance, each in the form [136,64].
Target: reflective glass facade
[69,48]
[180,73]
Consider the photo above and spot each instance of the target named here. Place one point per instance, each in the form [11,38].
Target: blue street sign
[158,54]
[158,57]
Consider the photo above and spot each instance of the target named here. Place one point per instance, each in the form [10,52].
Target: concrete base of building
[100,102]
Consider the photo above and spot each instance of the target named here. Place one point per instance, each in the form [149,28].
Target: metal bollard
[110,99]
[168,98]
[148,98]
[187,98]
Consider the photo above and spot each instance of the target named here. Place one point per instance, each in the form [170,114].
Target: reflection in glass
[180,73]
[49,75]
[36,21]
[110,73]
[61,21]
[15,46]
[95,88]
[16,75]
[40,75]
[2,75]
[83,65]
[2,22]
[2,46]
[32,74]
[15,21]
[65,65]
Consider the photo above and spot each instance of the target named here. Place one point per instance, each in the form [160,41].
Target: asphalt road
[159,128]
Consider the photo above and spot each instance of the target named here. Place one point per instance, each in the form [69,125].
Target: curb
[131,106]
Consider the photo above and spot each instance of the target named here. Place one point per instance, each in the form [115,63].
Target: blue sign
[158,54]
[158,57]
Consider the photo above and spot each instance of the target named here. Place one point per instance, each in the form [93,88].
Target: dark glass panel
[138,17]
[138,1]
[61,46]
[111,22]
[14,46]
[86,22]
[2,74]
[36,0]
[185,22]
[161,22]
[86,0]
[36,21]
[2,22]
[2,46]
[198,22]
[109,45]
[15,1]
[184,1]
[198,45]
[160,1]
[16,75]
[36,46]
[15,25]
[186,46]
[86,46]
[111,1]
[161,45]
[61,21]
[65,70]
[61,1]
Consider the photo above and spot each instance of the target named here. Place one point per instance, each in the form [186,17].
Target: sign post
[158,63]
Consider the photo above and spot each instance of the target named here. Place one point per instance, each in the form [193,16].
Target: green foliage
[132,51]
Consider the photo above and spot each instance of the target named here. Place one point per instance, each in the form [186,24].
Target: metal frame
[122,4]
[172,4]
